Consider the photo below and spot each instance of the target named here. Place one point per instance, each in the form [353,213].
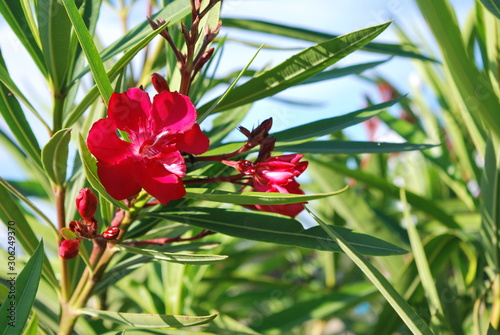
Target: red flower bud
[69,248]
[159,83]
[111,233]
[86,204]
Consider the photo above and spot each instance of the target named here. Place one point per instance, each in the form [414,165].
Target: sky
[331,98]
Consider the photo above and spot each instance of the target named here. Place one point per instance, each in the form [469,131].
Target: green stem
[58,112]
[495,309]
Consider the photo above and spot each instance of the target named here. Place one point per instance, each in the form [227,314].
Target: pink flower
[86,204]
[151,157]
[275,174]
[68,249]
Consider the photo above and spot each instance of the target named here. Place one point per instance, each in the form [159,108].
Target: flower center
[151,147]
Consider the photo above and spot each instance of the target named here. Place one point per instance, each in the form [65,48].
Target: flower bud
[69,248]
[159,83]
[111,233]
[86,204]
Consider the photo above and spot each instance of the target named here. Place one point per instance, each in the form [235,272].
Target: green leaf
[490,188]
[55,156]
[474,86]
[14,116]
[253,198]
[331,125]
[90,168]
[13,13]
[172,14]
[90,50]
[55,35]
[343,71]
[318,37]
[296,69]
[493,6]
[149,320]
[412,320]
[322,307]
[118,66]
[15,310]
[274,228]
[191,259]
[350,147]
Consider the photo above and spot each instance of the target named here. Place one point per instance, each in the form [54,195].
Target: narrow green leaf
[32,326]
[421,261]
[318,37]
[274,228]
[253,198]
[90,168]
[90,50]
[412,320]
[6,79]
[490,188]
[474,86]
[351,147]
[55,35]
[296,69]
[14,14]
[15,310]
[55,156]
[149,320]
[327,305]
[172,14]
[342,72]
[192,259]
[14,116]
[493,6]
[331,125]
[118,66]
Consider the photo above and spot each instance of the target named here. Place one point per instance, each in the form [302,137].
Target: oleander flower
[275,174]
[150,158]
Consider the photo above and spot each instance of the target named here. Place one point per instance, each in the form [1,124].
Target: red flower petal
[130,110]
[105,145]
[119,179]
[160,183]
[173,112]
[194,141]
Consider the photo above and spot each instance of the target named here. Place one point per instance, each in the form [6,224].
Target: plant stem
[57,112]
[495,309]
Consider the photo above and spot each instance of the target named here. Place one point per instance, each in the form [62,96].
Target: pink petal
[173,162]
[130,110]
[160,183]
[278,177]
[118,179]
[173,112]
[105,145]
[194,141]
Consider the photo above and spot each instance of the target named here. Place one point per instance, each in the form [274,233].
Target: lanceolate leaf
[296,69]
[318,37]
[93,93]
[90,50]
[253,198]
[331,125]
[17,306]
[351,147]
[493,6]
[55,156]
[192,259]
[414,321]
[149,320]
[172,14]
[273,228]
[13,114]
[90,168]
[13,13]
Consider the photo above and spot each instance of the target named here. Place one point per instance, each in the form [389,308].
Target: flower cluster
[86,204]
